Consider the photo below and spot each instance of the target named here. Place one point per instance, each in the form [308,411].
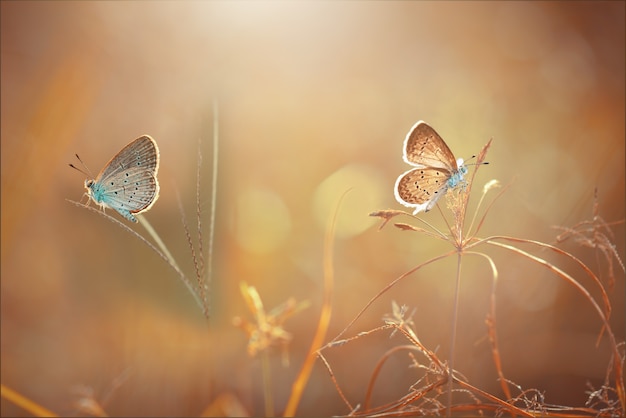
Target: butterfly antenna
[87,173]
[471,158]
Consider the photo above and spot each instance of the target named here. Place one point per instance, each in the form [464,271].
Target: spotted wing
[420,188]
[141,154]
[423,147]
[128,182]
[134,191]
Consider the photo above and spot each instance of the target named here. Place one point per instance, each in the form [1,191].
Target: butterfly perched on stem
[435,169]
[128,182]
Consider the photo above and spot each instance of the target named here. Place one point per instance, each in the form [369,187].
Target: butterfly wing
[128,182]
[142,153]
[423,147]
[135,191]
[420,188]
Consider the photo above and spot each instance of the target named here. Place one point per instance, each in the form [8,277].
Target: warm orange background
[314,98]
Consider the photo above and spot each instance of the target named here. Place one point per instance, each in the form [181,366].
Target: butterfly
[436,170]
[128,182]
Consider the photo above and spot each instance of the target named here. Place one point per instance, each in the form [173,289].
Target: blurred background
[314,98]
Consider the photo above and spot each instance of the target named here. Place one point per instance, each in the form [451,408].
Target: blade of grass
[322,326]
[25,403]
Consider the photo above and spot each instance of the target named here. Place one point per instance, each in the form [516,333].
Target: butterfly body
[458,177]
[435,169]
[128,182]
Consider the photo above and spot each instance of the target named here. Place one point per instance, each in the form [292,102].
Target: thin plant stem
[152,232]
[267,384]
[209,276]
[200,290]
[200,268]
[491,324]
[455,313]
[25,403]
[168,256]
[322,328]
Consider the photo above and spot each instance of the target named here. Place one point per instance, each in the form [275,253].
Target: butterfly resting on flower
[435,169]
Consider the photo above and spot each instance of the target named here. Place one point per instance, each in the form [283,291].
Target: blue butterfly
[128,182]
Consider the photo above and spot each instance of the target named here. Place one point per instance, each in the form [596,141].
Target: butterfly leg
[88,199]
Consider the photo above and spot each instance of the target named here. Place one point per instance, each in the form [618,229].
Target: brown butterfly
[435,170]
